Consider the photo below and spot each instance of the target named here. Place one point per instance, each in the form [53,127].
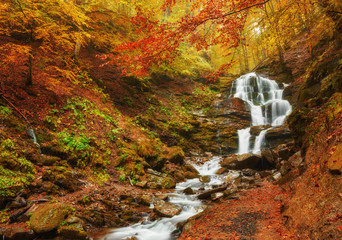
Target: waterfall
[267,107]
[33,137]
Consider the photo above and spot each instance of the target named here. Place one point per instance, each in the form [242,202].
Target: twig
[130,181]
[21,114]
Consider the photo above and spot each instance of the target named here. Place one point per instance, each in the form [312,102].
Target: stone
[141,184]
[146,199]
[167,209]
[18,232]
[269,156]
[168,182]
[221,171]
[190,168]
[296,159]
[188,191]
[276,176]
[277,135]
[204,179]
[285,168]
[238,162]
[216,196]
[176,155]
[207,194]
[46,160]
[49,217]
[73,232]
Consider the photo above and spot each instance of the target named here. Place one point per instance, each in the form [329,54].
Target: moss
[49,217]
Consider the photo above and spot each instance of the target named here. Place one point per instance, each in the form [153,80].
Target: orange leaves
[159,41]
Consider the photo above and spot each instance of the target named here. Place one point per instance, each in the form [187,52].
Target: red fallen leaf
[339,228]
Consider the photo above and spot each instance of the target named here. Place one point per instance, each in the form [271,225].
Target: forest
[170,119]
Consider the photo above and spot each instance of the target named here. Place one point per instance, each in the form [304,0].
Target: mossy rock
[176,155]
[49,217]
[168,183]
[73,232]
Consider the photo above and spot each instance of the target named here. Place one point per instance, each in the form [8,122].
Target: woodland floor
[255,215]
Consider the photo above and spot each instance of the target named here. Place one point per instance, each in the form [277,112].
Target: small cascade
[33,137]
[164,228]
[267,107]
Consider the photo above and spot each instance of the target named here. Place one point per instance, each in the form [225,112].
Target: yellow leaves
[11,52]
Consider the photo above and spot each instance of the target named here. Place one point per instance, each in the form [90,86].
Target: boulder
[243,161]
[216,196]
[49,217]
[207,194]
[296,159]
[204,179]
[269,156]
[278,135]
[188,191]
[167,209]
[73,230]
[221,171]
[176,155]
[18,232]
[146,199]
[283,151]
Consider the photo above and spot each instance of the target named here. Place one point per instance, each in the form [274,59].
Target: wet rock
[277,136]
[204,179]
[73,229]
[189,191]
[276,176]
[207,194]
[216,196]
[167,209]
[18,232]
[221,171]
[49,216]
[243,161]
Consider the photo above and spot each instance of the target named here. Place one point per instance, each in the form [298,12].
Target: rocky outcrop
[238,162]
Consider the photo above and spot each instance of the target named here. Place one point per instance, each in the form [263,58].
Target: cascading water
[162,229]
[267,107]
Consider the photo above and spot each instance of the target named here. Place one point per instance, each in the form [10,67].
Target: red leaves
[159,41]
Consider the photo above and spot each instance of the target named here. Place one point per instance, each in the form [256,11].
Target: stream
[264,99]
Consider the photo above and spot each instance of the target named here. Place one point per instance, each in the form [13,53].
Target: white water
[162,229]
[267,107]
